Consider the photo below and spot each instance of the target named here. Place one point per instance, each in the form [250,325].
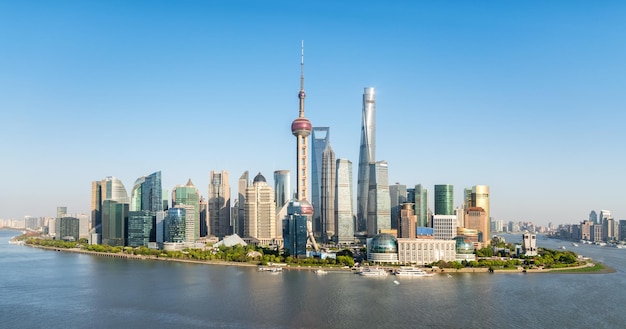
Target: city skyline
[525,98]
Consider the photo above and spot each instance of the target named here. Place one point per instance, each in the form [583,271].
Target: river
[47,289]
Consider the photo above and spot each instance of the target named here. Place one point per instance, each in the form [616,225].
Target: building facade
[420,198]
[68,228]
[344,216]
[480,199]
[146,200]
[282,188]
[367,156]
[407,221]
[320,140]
[295,231]
[327,196]
[444,199]
[239,223]
[475,219]
[260,212]
[379,203]
[444,227]
[188,195]
[174,229]
[398,196]
[529,244]
[218,214]
[425,251]
[140,226]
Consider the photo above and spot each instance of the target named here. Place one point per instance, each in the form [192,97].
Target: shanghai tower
[367,155]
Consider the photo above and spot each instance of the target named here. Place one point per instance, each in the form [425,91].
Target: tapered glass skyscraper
[367,155]
[320,139]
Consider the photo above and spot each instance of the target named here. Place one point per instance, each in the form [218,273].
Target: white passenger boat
[412,272]
[320,271]
[271,269]
[374,272]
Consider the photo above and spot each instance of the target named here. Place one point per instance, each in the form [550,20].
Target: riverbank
[570,270]
[143,257]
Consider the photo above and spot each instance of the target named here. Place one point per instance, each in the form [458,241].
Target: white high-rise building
[444,226]
[260,212]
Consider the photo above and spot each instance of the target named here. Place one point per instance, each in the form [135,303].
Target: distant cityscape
[271,216]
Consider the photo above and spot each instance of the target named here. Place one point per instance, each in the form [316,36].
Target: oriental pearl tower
[301,128]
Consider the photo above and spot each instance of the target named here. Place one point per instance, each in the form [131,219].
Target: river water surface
[47,289]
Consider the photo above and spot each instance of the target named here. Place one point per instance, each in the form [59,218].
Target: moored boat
[271,269]
[412,272]
[374,272]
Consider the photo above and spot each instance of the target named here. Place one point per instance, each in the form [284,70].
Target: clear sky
[527,97]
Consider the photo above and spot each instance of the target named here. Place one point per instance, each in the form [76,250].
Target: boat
[563,247]
[412,272]
[449,275]
[320,271]
[574,244]
[374,272]
[271,269]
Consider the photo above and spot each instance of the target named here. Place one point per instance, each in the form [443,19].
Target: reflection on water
[40,288]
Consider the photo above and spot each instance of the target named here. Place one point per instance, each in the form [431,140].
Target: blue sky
[524,96]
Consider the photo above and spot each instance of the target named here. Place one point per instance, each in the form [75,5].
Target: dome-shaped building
[382,248]
[464,248]
[259,178]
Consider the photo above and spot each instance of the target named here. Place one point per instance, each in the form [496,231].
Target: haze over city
[527,98]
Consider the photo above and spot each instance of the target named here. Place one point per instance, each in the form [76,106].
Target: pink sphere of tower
[301,127]
[306,208]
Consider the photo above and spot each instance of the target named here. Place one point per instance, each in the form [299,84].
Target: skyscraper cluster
[274,215]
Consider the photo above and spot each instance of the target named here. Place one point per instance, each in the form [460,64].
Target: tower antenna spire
[302,67]
[301,94]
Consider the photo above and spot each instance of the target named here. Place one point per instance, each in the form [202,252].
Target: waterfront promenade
[299,267]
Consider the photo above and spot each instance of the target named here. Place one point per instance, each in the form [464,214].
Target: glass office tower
[444,199]
[367,156]
[282,188]
[379,203]
[344,217]
[320,139]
